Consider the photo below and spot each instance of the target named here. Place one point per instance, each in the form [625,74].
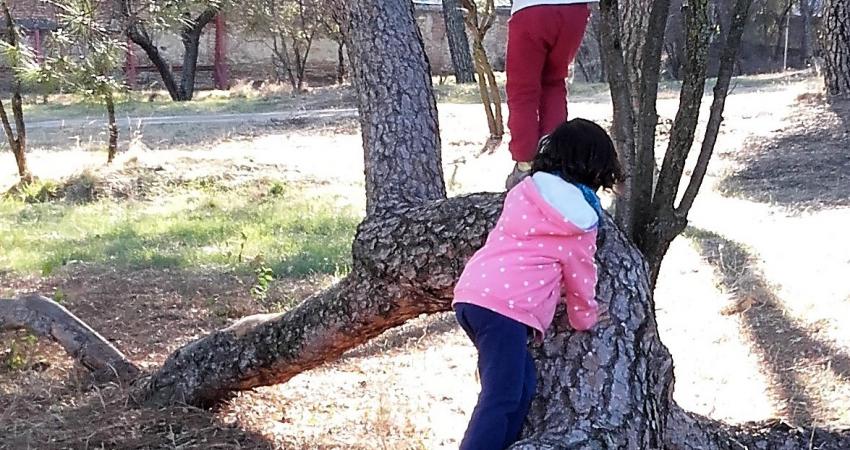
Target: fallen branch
[48,319]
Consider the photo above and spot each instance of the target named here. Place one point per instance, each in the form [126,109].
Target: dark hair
[579,151]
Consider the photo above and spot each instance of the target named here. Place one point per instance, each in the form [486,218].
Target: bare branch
[721,90]
[48,319]
[687,116]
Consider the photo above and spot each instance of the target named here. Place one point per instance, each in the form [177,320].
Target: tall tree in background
[835,47]
[458,43]
[14,54]
[143,18]
[806,13]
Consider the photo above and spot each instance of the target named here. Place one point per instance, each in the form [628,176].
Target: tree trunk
[806,34]
[398,112]
[623,126]
[190,35]
[458,42]
[634,29]
[191,42]
[191,38]
[489,89]
[18,138]
[669,220]
[139,35]
[835,46]
[340,64]
[113,127]
[479,24]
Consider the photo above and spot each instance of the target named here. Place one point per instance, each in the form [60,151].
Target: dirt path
[126,122]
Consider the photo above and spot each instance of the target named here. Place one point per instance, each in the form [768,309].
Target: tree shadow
[806,166]
[414,333]
[788,349]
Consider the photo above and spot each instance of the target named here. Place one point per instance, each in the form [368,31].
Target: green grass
[140,104]
[238,229]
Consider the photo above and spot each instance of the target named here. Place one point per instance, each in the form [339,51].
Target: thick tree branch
[46,318]
[405,264]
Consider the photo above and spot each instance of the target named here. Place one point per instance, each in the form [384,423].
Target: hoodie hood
[557,208]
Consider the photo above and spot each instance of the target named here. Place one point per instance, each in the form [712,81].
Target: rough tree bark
[190,35]
[458,42]
[835,48]
[609,388]
[16,138]
[398,119]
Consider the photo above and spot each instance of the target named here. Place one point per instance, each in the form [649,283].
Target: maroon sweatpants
[542,42]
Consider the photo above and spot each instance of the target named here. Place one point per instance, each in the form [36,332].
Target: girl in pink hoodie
[543,246]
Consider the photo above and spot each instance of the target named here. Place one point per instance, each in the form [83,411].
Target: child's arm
[579,273]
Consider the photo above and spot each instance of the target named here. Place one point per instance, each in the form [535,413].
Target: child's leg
[529,388]
[502,360]
[524,62]
[553,98]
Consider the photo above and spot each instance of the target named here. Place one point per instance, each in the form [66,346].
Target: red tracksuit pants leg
[542,42]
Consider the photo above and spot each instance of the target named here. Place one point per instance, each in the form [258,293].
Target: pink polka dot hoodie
[541,248]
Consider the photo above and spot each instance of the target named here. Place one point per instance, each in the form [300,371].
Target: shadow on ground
[792,355]
[806,166]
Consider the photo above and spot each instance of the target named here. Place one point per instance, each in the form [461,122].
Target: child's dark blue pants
[508,377]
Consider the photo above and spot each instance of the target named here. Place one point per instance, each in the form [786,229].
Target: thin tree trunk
[721,90]
[806,34]
[835,46]
[18,150]
[191,42]
[113,127]
[139,35]
[283,61]
[458,42]
[647,115]
[191,38]
[479,24]
[18,138]
[489,90]
[624,113]
[663,224]
[634,32]
[340,65]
